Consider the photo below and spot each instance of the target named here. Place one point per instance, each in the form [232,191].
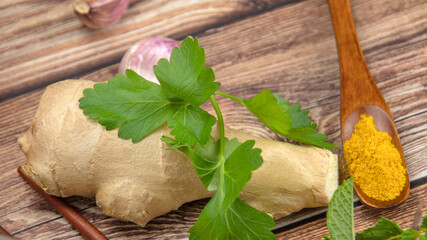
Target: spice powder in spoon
[373,161]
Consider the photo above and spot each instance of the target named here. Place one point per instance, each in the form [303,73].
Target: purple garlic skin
[142,56]
[97,14]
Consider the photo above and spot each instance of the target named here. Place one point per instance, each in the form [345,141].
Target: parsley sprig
[138,107]
[282,118]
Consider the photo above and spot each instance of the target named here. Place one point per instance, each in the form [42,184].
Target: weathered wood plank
[365,218]
[43,43]
[290,50]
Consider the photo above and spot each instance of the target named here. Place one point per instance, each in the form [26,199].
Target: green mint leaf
[423,225]
[383,229]
[238,221]
[271,113]
[326,238]
[132,103]
[185,76]
[192,124]
[386,229]
[410,234]
[340,212]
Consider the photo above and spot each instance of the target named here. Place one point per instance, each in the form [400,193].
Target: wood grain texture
[43,42]
[291,50]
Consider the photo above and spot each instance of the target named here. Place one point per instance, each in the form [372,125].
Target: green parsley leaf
[186,76]
[271,113]
[240,160]
[383,229]
[191,124]
[309,136]
[340,212]
[139,107]
[238,221]
[132,103]
[204,159]
[299,117]
[226,216]
[287,120]
[303,130]
[174,144]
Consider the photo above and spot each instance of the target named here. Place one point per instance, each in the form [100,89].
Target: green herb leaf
[299,117]
[226,216]
[423,225]
[191,124]
[271,113]
[235,169]
[238,221]
[186,76]
[139,107]
[132,103]
[309,136]
[204,159]
[386,229]
[174,144]
[303,129]
[287,120]
[340,220]
[383,229]
[410,234]
[340,212]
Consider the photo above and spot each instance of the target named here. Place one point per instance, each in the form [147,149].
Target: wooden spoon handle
[4,232]
[358,88]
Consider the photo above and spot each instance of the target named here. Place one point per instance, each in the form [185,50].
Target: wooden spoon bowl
[384,123]
[360,94]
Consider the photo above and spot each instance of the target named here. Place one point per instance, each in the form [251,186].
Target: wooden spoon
[360,94]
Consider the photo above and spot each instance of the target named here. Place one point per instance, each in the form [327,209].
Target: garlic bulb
[97,14]
[142,56]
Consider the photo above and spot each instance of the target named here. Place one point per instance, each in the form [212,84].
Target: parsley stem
[230,96]
[221,128]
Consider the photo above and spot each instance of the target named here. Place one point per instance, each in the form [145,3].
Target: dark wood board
[287,47]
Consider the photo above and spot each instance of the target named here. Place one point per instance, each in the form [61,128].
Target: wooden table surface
[287,46]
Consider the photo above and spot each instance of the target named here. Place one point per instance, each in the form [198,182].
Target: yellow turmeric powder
[373,161]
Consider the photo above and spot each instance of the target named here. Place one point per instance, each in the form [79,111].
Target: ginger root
[70,154]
